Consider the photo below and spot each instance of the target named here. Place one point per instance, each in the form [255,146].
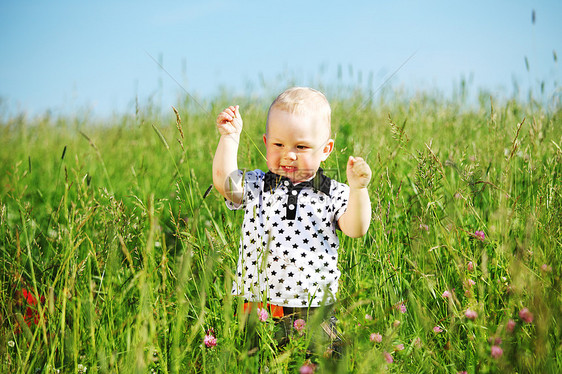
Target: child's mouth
[289,169]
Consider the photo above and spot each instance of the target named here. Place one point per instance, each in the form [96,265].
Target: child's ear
[328,148]
[264,139]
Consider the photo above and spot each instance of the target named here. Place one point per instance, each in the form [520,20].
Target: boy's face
[296,144]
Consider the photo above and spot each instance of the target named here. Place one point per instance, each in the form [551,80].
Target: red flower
[470,314]
[27,300]
[526,315]
[496,351]
[480,235]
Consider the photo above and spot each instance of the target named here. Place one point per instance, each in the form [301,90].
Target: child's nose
[291,155]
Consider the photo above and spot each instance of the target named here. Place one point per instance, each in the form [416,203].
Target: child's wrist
[358,188]
[234,135]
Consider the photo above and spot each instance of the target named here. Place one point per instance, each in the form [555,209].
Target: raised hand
[358,172]
[229,121]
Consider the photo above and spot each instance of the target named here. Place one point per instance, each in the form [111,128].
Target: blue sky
[72,56]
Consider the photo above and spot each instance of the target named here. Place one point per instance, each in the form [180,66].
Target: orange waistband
[275,311]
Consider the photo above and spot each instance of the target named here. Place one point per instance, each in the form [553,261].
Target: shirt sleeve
[252,182]
[340,197]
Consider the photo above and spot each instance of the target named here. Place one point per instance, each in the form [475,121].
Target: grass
[106,225]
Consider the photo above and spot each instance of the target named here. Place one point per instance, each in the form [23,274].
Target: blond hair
[303,101]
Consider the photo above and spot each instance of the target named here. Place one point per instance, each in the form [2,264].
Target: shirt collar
[320,182]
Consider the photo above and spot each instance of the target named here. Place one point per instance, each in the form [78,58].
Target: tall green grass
[107,222]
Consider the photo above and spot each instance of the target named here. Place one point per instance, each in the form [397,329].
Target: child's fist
[358,172]
[229,121]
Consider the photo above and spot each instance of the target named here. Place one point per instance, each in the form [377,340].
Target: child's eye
[278,144]
[302,147]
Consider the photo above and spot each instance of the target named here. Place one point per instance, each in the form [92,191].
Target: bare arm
[357,217]
[225,164]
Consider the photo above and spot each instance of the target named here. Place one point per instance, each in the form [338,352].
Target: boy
[288,250]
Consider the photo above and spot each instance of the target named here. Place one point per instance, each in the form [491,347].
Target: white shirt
[289,245]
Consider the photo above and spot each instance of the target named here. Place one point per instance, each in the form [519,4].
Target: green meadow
[115,257]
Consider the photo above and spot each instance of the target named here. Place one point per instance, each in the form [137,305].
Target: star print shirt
[289,245]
